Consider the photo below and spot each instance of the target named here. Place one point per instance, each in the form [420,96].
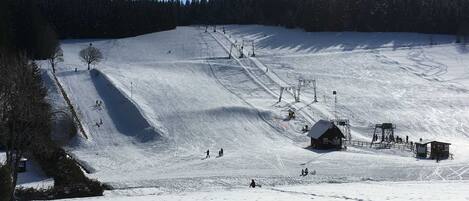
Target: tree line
[123,18]
[25,114]
[425,16]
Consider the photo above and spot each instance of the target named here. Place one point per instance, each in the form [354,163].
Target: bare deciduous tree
[56,57]
[91,55]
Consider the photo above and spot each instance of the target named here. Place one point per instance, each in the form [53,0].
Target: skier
[305,128]
[221,152]
[306,171]
[253,184]
[101,121]
[208,154]
[302,172]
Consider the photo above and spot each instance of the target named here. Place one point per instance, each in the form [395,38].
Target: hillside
[169,96]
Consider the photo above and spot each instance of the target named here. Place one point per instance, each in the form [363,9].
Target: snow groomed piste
[167,97]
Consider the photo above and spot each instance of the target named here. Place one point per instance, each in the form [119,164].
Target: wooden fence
[380,145]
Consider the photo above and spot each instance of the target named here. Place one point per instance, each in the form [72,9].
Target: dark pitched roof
[321,127]
[429,142]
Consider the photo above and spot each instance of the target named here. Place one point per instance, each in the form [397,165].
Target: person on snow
[302,172]
[208,154]
[220,153]
[306,171]
[305,128]
[253,184]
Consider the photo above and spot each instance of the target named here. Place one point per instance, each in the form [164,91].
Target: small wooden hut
[325,135]
[438,150]
[421,149]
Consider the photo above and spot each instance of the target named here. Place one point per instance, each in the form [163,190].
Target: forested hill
[426,16]
[117,18]
[122,18]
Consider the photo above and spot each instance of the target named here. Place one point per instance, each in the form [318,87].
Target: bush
[69,179]
[5,182]
[88,189]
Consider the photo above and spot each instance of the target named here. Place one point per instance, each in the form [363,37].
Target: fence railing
[380,145]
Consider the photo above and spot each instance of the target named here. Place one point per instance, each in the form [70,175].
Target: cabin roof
[321,127]
[425,142]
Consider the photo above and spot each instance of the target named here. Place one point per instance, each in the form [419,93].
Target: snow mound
[125,115]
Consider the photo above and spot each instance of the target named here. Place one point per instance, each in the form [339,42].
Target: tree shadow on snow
[280,38]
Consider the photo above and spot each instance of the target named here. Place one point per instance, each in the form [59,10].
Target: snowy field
[395,191]
[169,96]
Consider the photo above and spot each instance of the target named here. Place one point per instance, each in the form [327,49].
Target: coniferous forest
[28,23]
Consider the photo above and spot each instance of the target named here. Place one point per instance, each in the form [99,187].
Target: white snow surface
[395,191]
[170,96]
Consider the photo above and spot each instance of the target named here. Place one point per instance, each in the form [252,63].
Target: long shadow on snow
[126,117]
[276,37]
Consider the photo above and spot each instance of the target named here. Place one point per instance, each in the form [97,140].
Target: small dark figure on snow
[101,121]
[305,128]
[306,171]
[291,114]
[208,154]
[253,184]
[220,153]
[302,172]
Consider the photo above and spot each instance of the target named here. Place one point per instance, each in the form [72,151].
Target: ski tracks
[271,75]
[316,195]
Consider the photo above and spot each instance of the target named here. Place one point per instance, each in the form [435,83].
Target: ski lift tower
[285,88]
[385,131]
[250,42]
[305,83]
[344,126]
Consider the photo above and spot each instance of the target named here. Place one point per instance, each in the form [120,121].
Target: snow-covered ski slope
[392,191]
[170,96]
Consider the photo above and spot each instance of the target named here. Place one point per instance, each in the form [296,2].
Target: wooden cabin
[22,165]
[438,150]
[421,149]
[325,135]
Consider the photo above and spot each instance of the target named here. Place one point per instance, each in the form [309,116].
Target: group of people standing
[305,172]
[220,153]
[390,138]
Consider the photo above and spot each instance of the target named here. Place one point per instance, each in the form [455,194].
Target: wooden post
[314,87]
[280,96]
